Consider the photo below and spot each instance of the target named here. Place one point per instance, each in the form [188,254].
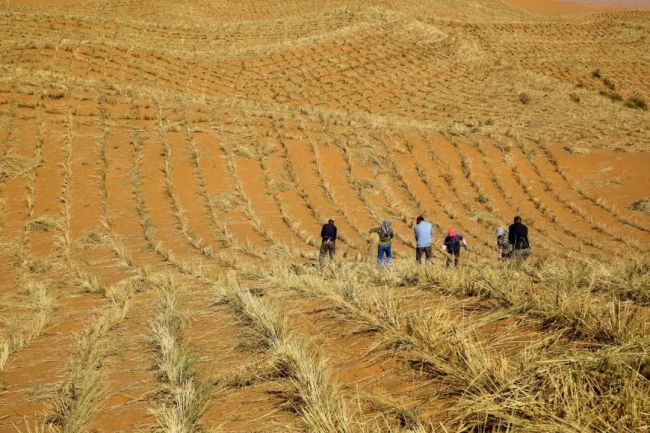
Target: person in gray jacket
[504,249]
[423,232]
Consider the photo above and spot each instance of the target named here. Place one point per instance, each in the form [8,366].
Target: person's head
[331,220]
[517,219]
[501,231]
[419,219]
[386,223]
[452,232]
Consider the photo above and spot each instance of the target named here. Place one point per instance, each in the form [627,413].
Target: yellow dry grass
[165,169]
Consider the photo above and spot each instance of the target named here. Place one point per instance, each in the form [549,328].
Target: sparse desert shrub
[637,102]
[642,205]
[596,73]
[280,186]
[574,97]
[39,266]
[503,146]
[482,198]
[524,98]
[244,152]
[609,84]
[576,150]
[89,240]
[613,96]
[42,224]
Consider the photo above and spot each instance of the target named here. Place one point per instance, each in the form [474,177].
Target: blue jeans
[384,254]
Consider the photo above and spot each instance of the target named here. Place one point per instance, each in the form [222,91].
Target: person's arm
[335,233]
[443,248]
[525,236]
[374,230]
[464,242]
[512,237]
[322,232]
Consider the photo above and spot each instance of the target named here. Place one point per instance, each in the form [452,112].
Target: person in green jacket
[384,250]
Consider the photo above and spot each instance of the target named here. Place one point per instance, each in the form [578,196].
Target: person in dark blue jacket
[328,241]
[451,246]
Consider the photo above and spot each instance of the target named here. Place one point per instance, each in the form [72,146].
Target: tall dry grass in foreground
[22,330]
[315,396]
[587,371]
[79,396]
[184,395]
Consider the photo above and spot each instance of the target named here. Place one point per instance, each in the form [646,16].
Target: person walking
[423,236]
[504,248]
[518,239]
[328,241]
[384,250]
[451,245]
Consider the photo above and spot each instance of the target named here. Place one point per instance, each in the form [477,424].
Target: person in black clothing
[451,245]
[518,238]
[328,244]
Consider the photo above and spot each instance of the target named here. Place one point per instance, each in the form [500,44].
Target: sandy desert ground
[166,168]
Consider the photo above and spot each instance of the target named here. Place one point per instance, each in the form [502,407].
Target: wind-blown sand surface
[578,6]
[166,167]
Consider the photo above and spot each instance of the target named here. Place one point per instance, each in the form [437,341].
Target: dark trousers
[327,247]
[452,256]
[423,251]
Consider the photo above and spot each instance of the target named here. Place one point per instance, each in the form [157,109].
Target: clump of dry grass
[78,397]
[611,95]
[372,307]
[14,165]
[89,240]
[185,396]
[600,384]
[434,343]
[315,396]
[42,224]
[38,427]
[225,202]
[88,282]
[21,331]
[642,205]
[210,203]
[636,102]
[563,392]
[585,302]
[524,98]
[439,346]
